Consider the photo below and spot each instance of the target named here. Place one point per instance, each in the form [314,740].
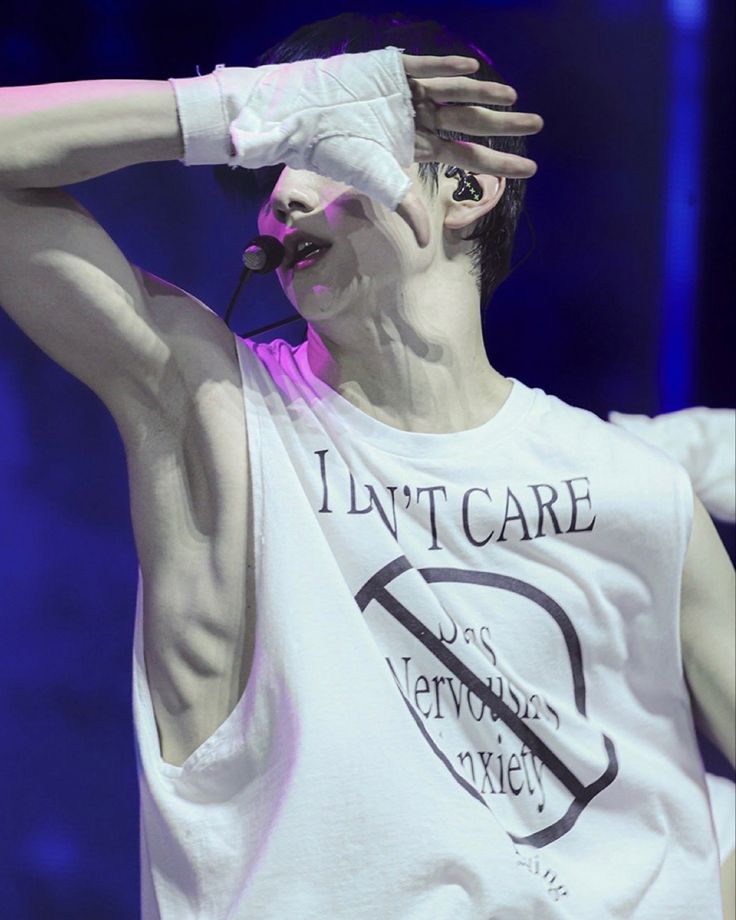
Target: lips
[309,259]
[297,240]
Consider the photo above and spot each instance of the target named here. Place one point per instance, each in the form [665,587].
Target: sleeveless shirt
[467,699]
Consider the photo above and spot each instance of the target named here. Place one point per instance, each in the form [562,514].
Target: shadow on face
[372,251]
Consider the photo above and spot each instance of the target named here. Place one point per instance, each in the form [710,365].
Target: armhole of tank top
[230,734]
[253,426]
[249,367]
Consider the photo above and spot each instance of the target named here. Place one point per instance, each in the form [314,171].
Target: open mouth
[307,254]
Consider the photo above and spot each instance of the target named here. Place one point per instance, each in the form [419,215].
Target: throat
[439,405]
[423,383]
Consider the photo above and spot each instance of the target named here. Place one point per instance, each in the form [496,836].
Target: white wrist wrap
[348,117]
[203,119]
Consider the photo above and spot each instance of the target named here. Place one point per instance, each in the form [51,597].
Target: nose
[293,193]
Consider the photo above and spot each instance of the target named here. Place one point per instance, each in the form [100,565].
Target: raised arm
[62,278]
[147,349]
[57,134]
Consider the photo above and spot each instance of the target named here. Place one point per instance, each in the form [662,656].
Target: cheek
[386,246]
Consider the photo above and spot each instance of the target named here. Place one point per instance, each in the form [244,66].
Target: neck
[417,363]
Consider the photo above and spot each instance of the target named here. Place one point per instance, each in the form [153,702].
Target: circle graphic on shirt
[543,752]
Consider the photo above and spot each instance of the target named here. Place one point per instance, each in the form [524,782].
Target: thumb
[413,210]
[374,171]
[365,165]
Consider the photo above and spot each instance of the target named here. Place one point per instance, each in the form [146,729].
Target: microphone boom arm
[262,255]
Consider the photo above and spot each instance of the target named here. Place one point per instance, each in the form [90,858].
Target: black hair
[355,32]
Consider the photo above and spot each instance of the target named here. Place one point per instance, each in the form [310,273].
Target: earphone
[468,187]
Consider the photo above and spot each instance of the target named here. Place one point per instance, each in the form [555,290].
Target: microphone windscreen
[263,254]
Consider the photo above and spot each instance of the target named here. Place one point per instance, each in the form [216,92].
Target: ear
[461,214]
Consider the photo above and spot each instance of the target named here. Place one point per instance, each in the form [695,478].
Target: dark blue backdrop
[624,303]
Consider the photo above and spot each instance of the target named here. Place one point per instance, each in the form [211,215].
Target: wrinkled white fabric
[452,712]
[702,440]
[349,117]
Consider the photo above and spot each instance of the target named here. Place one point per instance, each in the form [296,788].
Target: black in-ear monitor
[468,187]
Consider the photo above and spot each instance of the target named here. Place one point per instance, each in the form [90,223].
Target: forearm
[707,620]
[57,134]
[714,705]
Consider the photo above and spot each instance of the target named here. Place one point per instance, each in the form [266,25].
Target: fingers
[437,80]
[472,157]
[431,98]
[472,119]
[457,105]
[465,89]
[413,210]
[428,65]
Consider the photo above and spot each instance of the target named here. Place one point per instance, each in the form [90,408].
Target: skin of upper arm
[71,290]
[708,633]
[140,343]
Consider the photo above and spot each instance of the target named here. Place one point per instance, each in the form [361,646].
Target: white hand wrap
[348,117]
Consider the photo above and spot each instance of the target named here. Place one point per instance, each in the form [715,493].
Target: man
[397,613]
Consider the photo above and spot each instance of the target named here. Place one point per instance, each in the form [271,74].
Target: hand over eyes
[363,119]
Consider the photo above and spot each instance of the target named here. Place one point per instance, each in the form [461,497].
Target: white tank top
[467,699]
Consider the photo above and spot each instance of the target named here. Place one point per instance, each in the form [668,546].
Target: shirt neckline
[413,443]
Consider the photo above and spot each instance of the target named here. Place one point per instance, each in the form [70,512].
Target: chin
[316,301]
[320,304]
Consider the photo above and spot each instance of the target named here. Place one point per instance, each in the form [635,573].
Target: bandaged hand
[361,119]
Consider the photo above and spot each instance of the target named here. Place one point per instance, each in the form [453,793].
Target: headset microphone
[262,255]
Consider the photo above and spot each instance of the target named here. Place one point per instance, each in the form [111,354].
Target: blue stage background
[625,303]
